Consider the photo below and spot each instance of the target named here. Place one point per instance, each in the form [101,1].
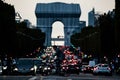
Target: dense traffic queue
[52,61]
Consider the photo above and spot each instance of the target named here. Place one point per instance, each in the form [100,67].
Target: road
[81,76]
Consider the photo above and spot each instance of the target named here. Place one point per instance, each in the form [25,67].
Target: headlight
[52,60]
[40,66]
[16,69]
[32,69]
[1,71]
[35,67]
[63,67]
[49,68]
[45,68]
[4,67]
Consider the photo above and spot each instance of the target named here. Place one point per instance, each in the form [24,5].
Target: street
[81,76]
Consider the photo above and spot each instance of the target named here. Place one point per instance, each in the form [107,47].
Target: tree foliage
[107,34]
[97,40]
[16,39]
[88,40]
[7,29]
[28,39]
[117,25]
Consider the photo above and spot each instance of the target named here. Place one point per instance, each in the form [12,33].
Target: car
[73,69]
[37,63]
[45,69]
[4,67]
[0,67]
[24,66]
[87,69]
[102,69]
[54,68]
[63,69]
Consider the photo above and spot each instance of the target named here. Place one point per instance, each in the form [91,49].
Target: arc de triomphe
[48,13]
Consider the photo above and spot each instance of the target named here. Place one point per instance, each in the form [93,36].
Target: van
[91,63]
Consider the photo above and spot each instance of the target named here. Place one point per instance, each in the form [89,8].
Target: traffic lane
[18,77]
[81,76]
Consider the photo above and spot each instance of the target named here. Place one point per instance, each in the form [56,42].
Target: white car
[102,69]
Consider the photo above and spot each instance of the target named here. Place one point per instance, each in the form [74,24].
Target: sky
[26,8]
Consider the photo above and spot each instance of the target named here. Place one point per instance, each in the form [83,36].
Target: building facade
[68,14]
[93,18]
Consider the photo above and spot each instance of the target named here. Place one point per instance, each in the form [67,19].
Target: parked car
[102,69]
[24,66]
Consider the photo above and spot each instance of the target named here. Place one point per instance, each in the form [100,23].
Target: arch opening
[57,34]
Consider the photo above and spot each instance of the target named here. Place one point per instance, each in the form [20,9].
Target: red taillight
[96,68]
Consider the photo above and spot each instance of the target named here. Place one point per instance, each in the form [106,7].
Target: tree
[28,39]
[16,39]
[7,29]
[88,40]
[107,34]
[117,25]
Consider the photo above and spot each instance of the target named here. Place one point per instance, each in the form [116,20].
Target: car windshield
[105,65]
[37,62]
[24,62]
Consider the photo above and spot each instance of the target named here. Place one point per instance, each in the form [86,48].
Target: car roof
[28,59]
[100,64]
